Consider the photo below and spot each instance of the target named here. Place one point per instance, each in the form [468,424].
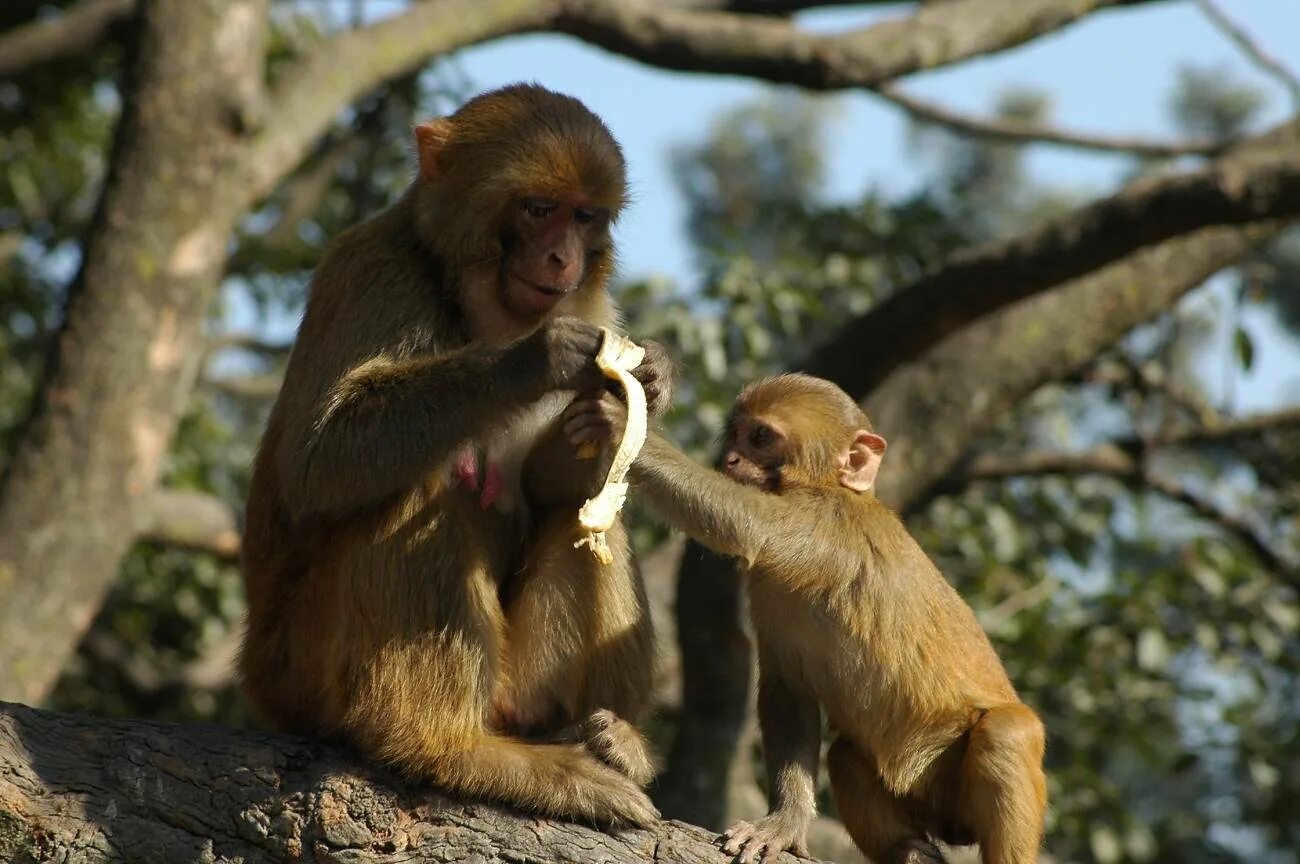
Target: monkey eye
[538,208]
[582,215]
[760,435]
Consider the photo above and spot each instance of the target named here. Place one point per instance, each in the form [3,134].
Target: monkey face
[756,451]
[548,245]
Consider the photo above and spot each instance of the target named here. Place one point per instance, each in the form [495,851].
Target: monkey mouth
[548,290]
[536,297]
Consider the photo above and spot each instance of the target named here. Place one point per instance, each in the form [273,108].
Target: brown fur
[387,607]
[852,618]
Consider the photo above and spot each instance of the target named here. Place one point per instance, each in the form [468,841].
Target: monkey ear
[861,461]
[430,139]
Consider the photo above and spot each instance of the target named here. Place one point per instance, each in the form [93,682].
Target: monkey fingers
[771,835]
[614,741]
[593,419]
[655,374]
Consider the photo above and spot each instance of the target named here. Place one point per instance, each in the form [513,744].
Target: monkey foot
[916,852]
[614,741]
[769,836]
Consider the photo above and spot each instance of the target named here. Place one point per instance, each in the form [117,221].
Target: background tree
[1050,366]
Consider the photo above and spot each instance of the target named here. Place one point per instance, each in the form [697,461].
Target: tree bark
[89,790]
[93,452]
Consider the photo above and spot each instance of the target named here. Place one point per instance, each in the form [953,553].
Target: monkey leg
[881,824]
[1003,790]
[579,644]
[419,705]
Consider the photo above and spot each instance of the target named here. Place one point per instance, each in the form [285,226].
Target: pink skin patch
[467,472]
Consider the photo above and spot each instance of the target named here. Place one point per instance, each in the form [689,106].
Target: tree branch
[1252,49]
[83,788]
[1019,132]
[1234,189]
[671,37]
[190,520]
[776,50]
[1108,460]
[963,387]
[308,94]
[75,31]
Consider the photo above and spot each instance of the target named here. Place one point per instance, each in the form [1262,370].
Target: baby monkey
[931,742]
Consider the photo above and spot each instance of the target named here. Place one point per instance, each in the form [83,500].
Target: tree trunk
[89,790]
[125,360]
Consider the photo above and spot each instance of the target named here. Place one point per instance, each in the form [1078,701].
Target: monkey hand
[614,741]
[656,373]
[593,421]
[561,355]
[771,835]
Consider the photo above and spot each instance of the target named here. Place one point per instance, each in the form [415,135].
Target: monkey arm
[385,424]
[728,517]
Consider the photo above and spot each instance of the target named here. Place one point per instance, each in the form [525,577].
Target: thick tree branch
[1019,132]
[75,31]
[190,520]
[778,51]
[1244,187]
[1251,48]
[94,790]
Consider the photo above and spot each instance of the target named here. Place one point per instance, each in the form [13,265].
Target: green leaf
[1245,347]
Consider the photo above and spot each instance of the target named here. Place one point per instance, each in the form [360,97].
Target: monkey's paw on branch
[98,790]
[617,357]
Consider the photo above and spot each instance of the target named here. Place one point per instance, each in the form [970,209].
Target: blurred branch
[1151,378]
[934,408]
[1109,460]
[246,386]
[245,342]
[212,670]
[75,31]
[1226,429]
[1262,58]
[190,520]
[1249,185]
[304,192]
[309,93]
[778,51]
[1020,132]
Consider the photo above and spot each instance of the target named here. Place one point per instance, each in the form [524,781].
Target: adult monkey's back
[408,554]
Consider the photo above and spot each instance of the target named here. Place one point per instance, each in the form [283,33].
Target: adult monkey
[412,583]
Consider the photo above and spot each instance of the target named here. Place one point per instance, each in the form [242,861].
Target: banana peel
[617,357]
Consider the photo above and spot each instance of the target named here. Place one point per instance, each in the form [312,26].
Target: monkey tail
[560,781]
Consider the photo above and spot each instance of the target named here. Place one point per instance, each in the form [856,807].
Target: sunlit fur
[375,580]
[853,619]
